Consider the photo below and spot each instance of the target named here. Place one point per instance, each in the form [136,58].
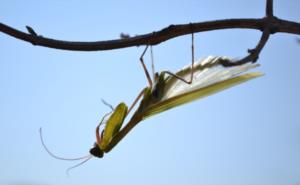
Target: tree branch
[154,38]
[268,25]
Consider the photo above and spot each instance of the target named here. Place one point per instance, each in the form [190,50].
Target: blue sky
[247,135]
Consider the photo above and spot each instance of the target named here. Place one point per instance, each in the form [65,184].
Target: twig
[253,53]
[31,31]
[269,8]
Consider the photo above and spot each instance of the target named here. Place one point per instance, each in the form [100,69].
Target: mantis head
[96,151]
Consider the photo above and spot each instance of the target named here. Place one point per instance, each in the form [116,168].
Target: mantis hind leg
[192,67]
[147,75]
[145,68]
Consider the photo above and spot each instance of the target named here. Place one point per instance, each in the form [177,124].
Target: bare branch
[154,38]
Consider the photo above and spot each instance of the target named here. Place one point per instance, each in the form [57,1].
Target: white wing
[206,77]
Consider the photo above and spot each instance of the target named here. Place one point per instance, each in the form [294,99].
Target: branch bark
[172,31]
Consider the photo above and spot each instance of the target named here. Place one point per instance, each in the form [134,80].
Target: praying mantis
[165,91]
[168,90]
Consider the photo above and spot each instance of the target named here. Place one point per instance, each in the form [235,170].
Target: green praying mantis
[165,91]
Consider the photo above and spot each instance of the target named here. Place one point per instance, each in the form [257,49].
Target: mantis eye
[96,151]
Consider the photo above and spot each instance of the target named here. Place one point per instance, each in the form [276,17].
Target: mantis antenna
[79,164]
[57,157]
[107,104]
[84,158]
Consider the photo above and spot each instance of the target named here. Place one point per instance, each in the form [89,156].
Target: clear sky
[247,135]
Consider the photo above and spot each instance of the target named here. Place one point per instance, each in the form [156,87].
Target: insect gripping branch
[167,90]
[209,77]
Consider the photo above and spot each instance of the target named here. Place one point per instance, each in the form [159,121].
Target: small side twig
[253,53]
[269,8]
[31,31]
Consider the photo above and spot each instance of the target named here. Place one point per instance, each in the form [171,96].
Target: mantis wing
[113,124]
[209,77]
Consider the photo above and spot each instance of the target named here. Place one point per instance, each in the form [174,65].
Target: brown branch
[253,53]
[268,25]
[269,8]
[154,38]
